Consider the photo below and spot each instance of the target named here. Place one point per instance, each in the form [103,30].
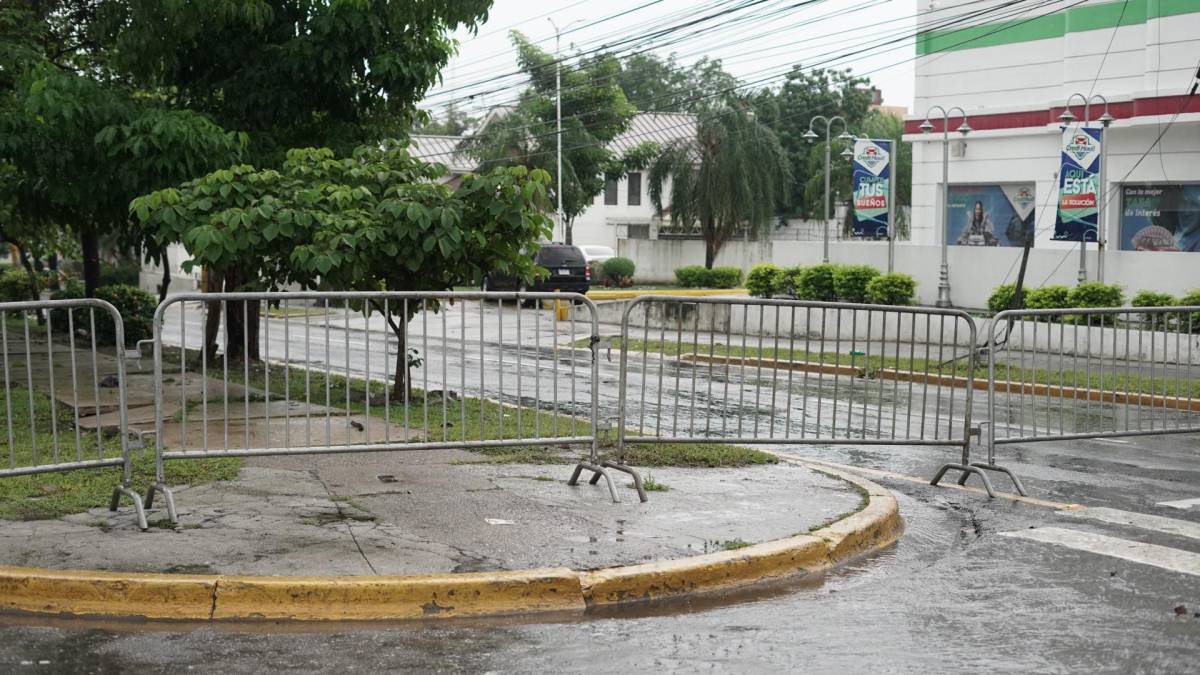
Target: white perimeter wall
[974,271]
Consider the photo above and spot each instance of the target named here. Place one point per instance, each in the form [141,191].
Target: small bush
[892,289]
[763,280]
[815,283]
[620,270]
[1001,298]
[16,286]
[1096,294]
[724,277]
[135,305]
[1155,299]
[692,276]
[789,280]
[120,274]
[1048,297]
[1192,299]
[850,282]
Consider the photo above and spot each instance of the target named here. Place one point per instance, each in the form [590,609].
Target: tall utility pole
[1067,117]
[943,297]
[810,136]
[559,215]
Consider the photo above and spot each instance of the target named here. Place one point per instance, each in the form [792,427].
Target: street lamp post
[558,214]
[943,297]
[1067,117]
[810,136]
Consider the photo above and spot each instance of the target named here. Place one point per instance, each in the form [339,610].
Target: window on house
[610,192]
[635,189]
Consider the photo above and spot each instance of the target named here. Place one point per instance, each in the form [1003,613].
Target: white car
[597,253]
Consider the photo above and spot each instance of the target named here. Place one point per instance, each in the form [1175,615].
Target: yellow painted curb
[184,596]
[877,525]
[153,596]
[398,597]
[683,292]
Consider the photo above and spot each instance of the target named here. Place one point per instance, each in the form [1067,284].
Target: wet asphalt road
[957,593]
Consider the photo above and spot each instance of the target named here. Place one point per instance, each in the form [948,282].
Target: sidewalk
[428,512]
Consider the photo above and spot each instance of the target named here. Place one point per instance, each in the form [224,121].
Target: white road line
[1145,521]
[1182,503]
[1133,551]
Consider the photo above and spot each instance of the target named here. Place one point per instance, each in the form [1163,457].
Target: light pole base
[943,296]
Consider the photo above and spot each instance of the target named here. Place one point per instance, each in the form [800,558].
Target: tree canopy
[373,220]
[594,112]
[731,175]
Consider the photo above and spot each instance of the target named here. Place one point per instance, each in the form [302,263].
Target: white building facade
[1013,78]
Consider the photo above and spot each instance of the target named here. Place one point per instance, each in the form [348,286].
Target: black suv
[566,267]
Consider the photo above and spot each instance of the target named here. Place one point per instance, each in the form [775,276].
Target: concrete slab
[426,512]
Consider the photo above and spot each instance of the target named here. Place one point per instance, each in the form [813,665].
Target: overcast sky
[757,43]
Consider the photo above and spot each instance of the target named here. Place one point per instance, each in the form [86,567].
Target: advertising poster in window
[872,188]
[1163,217]
[1078,184]
[991,215]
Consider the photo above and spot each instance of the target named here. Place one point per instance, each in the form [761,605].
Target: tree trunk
[252,323]
[235,320]
[89,243]
[34,284]
[401,381]
[212,314]
[165,261]
[568,226]
[711,244]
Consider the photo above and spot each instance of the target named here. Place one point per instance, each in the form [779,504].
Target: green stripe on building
[1050,26]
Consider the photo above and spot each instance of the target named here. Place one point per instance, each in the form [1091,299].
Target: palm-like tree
[731,175]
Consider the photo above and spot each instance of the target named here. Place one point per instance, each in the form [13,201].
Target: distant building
[897,111]
[622,210]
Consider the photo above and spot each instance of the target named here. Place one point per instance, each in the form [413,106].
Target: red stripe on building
[1142,107]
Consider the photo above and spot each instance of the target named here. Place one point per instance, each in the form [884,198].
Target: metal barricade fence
[324,378]
[54,362]
[762,371]
[1065,374]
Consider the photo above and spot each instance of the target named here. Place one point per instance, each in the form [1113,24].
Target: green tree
[377,219]
[731,175]
[788,110]
[453,123]
[653,83]
[594,112]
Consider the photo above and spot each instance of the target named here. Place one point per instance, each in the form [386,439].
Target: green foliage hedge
[620,270]
[1001,298]
[135,305]
[815,283]
[16,286]
[763,280]
[850,282]
[891,289]
[698,276]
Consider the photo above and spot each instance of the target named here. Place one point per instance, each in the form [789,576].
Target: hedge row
[832,283]
[698,276]
[1095,295]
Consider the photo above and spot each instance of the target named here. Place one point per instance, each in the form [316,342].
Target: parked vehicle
[597,254]
[566,270]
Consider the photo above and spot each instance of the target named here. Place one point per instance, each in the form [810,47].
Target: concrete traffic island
[438,534]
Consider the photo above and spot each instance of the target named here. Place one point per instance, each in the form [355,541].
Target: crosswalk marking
[1146,554]
[1182,503]
[1145,521]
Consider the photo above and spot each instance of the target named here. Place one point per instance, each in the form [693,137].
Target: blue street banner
[1078,185]
[872,182]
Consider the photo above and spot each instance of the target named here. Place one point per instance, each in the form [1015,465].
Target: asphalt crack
[349,530]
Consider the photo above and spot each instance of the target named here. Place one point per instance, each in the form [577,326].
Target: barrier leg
[138,508]
[999,469]
[967,470]
[637,478]
[597,473]
[168,499]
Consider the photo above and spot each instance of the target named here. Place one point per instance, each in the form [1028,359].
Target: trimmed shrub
[815,283]
[16,286]
[1001,298]
[135,305]
[620,270]
[1155,299]
[1048,297]
[789,280]
[1192,299]
[120,274]
[691,276]
[763,280]
[724,277]
[1096,294]
[850,282]
[892,289]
